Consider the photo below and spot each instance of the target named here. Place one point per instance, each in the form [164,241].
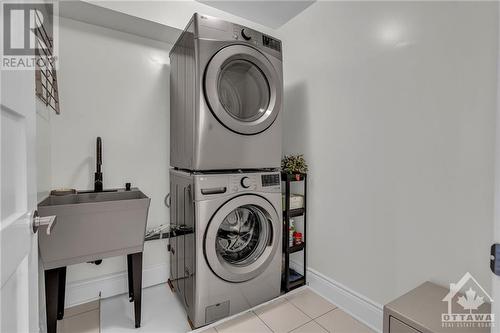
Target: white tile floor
[161,312]
[82,318]
[301,312]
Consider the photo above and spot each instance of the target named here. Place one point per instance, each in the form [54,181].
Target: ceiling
[94,14]
[272,14]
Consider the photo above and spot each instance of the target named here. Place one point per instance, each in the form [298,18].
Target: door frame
[495,279]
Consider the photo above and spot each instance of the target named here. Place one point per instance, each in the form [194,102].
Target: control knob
[245,34]
[245,182]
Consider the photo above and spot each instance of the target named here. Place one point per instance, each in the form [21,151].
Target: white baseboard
[358,306]
[112,285]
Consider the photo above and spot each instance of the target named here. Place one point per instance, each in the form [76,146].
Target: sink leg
[136,260]
[55,280]
[61,292]
[130,278]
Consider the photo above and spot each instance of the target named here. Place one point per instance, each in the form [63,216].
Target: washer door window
[243,89]
[242,238]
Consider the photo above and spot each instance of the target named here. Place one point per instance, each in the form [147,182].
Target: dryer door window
[243,89]
[242,238]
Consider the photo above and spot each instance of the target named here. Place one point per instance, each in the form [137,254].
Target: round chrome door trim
[211,80]
[235,273]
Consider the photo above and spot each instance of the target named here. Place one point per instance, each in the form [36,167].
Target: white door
[18,200]
[496,223]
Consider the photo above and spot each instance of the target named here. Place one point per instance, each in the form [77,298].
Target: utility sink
[93,225]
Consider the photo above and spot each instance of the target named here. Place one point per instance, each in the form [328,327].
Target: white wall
[116,86]
[393,104]
[176,13]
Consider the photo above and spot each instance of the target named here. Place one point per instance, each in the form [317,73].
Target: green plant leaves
[294,164]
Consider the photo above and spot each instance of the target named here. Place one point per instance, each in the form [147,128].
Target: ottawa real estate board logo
[469,305]
[29,35]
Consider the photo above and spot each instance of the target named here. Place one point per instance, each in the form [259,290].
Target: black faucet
[98,173]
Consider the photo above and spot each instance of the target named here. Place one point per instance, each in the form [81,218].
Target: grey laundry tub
[92,226]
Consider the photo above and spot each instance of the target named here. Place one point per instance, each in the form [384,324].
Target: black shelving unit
[291,279]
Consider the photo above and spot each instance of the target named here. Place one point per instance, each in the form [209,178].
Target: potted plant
[294,164]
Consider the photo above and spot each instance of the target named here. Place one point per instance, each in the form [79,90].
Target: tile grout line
[300,310]
[311,319]
[303,313]
[322,316]
[314,318]
[287,301]
[262,320]
[334,306]
[338,309]
[322,326]
[296,328]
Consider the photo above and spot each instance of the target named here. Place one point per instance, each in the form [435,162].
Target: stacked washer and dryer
[226,91]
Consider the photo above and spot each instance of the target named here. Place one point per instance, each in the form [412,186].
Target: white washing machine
[232,260]
[226,91]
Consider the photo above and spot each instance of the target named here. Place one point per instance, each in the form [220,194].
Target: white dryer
[226,92]
[232,261]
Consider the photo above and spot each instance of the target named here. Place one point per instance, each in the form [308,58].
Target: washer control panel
[243,182]
[268,182]
[214,185]
[272,179]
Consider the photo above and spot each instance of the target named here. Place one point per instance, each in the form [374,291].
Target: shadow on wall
[296,123]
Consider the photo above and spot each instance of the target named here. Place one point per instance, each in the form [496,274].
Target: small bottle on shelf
[297,238]
[291,231]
